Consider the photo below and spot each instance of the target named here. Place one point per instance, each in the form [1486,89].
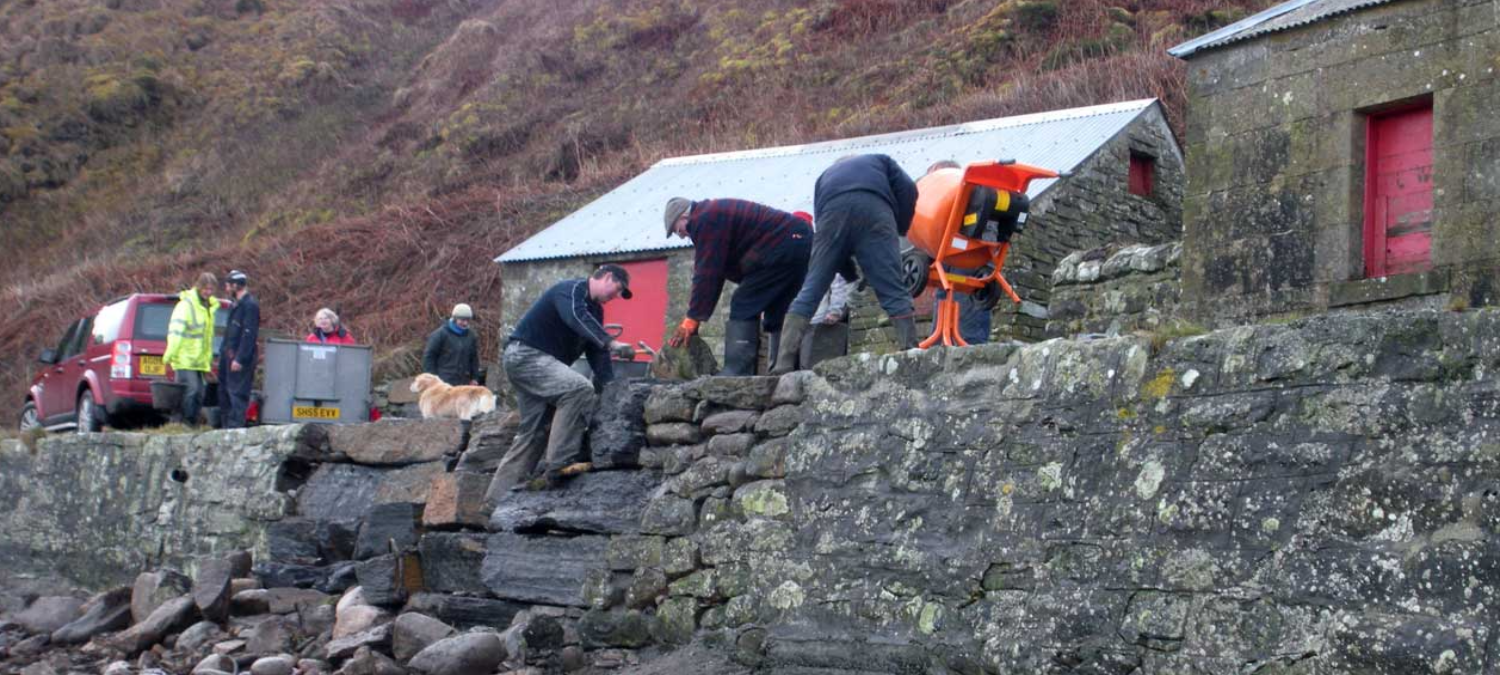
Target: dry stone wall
[1115,290]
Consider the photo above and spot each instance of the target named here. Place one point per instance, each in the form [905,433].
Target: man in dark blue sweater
[567,321]
[238,353]
[863,205]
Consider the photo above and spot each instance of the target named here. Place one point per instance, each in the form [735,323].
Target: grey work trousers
[862,225]
[192,396]
[546,389]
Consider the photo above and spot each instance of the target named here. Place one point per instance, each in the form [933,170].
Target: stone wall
[98,508]
[1092,207]
[1113,291]
[1275,145]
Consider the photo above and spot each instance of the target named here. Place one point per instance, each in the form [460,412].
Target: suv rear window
[107,323]
[151,321]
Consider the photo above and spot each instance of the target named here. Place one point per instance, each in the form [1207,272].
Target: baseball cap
[621,276]
[676,206]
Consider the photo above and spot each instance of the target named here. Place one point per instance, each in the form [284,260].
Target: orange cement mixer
[961,233]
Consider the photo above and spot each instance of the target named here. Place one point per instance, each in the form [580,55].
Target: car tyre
[29,418]
[88,413]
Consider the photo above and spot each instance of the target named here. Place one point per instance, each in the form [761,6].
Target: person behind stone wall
[763,250]
[828,335]
[452,352]
[239,352]
[329,329]
[190,345]
[864,205]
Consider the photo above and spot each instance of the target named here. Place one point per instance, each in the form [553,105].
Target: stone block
[747,393]
[628,552]
[489,438]
[304,541]
[211,587]
[600,502]
[339,493]
[691,361]
[762,499]
[599,629]
[388,528]
[791,389]
[668,404]
[456,500]
[151,589]
[676,619]
[376,638]
[732,445]
[334,578]
[407,483]
[451,562]
[679,556]
[673,433]
[463,611]
[767,460]
[168,618]
[541,569]
[272,636]
[395,441]
[618,429]
[670,516]
[387,580]
[646,585]
[730,422]
[413,632]
[708,473]
[676,459]
[780,421]
[702,584]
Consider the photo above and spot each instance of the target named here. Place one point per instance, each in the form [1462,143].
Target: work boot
[741,346]
[792,330]
[906,332]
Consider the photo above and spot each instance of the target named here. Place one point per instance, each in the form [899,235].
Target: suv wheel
[29,420]
[88,413]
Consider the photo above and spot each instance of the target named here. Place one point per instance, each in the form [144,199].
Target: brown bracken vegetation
[375,155]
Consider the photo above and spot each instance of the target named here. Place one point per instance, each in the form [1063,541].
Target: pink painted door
[644,316]
[1398,193]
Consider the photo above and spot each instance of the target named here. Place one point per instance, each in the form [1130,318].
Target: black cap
[621,276]
[237,277]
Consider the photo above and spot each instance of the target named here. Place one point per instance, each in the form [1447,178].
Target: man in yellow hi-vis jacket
[190,343]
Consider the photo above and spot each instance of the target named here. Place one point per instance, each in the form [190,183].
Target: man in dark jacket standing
[452,353]
[762,249]
[863,205]
[237,355]
[566,321]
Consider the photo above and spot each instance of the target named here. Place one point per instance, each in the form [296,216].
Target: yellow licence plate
[314,412]
[152,365]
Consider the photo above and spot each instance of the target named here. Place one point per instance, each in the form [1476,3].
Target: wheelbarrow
[961,235]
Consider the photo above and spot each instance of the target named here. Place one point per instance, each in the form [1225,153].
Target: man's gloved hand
[621,350]
[684,331]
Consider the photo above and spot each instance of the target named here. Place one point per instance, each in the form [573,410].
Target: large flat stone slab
[601,502]
[394,441]
[542,569]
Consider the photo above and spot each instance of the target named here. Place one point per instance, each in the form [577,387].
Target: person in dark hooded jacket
[452,353]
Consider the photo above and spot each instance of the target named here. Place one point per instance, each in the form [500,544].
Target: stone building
[1342,153]
[1123,185]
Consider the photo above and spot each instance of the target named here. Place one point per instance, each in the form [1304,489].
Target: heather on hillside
[376,154]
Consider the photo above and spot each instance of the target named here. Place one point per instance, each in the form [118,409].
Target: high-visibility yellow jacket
[190,335]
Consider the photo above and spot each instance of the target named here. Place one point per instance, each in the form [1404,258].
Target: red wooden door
[644,315]
[1398,193]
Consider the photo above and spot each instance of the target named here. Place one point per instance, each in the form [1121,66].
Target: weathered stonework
[1115,290]
[99,508]
[1275,146]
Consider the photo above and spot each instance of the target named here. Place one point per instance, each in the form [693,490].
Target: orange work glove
[684,331]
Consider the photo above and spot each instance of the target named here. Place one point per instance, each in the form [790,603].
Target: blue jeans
[766,291]
[861,225]
[973,320]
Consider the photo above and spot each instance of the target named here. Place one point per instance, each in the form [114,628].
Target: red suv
[102,369]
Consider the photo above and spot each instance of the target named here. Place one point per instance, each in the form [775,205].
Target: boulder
[412,632]
[376,637]
[395,441]
[151,589]
[387,528]
[468,654]
[215,663]
[107,611]
[335,578]
[288,600]
[599,629]
[618,429]
[271,636]
[49,613]
[690,361]
[250,603]
[280,664]
[211,588]
[367,661]
[542,569]
[604,502]
[195,637]
[357,619]
[386,580]
[172,615]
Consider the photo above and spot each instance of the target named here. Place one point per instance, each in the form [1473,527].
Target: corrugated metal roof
[628,219]
[1284,16]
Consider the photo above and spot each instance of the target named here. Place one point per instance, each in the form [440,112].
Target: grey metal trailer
[312,382]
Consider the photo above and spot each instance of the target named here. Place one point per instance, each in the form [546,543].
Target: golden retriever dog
[437,398]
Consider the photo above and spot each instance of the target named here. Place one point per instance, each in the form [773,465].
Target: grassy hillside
[375,155]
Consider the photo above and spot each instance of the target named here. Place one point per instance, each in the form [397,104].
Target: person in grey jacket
[452,352]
